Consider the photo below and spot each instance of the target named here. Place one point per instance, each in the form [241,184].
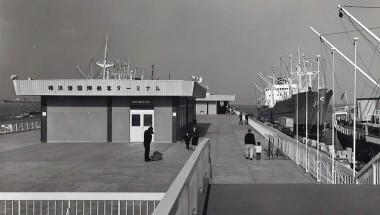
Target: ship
[367,128]
[295,96]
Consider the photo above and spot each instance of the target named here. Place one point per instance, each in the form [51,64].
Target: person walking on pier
[147,140]
[187,140]
[240,118]
[194,141]
[258,150]
[249,144]
[246,119]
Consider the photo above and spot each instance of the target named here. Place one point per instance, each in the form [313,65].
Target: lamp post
[318,122]
[306,117]
[354,133]
[333,119]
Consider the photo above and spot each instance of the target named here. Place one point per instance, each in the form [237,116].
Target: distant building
[214,104]
[113,110]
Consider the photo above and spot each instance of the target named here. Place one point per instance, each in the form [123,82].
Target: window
[135,119]
[147,119]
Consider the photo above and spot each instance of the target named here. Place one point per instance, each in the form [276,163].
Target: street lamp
[354,133]
[333,117]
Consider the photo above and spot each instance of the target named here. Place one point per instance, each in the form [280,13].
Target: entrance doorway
[140,121]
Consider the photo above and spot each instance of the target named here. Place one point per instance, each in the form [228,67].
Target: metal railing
[70,203]
[322,168]
[187,193]
[19,126]
[370,173]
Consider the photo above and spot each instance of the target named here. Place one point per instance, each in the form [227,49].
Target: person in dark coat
[194,141]
[250,143]
[246,119]
[240,118]
[147,140]
[187,139]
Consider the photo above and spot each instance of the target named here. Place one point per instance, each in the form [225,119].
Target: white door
[140,120]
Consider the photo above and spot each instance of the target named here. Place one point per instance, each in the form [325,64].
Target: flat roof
[210,97]
[108,87]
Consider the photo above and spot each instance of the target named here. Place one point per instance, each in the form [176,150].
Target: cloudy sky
[226,42]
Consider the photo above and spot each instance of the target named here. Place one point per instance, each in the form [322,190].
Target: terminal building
[214,104]
[113,110]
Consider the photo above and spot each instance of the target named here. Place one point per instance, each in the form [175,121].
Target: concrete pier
[229,165]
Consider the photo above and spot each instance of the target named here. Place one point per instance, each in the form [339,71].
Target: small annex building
[113,110]
[213,104]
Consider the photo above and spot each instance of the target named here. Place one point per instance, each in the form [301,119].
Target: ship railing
[78,203]
[349,132]
[370,173]
[187,193]
[19,126]
[323,168]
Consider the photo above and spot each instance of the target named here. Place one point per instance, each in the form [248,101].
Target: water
[9,110]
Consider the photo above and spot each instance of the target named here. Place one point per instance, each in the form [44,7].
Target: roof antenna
[153,72]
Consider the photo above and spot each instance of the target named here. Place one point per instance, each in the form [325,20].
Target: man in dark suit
[147,140]
[250,143]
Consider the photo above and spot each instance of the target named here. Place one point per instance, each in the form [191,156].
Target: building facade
[213,104]
[112,110]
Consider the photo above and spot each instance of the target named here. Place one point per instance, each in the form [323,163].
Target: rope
[343,32]
[359,6]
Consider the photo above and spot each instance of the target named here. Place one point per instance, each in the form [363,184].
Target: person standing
[147,140]
[258,151]
[187,140]
[249,144]
[194,141]
[240,118]
[246,119]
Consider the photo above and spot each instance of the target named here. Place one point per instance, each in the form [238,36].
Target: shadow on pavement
[203,128]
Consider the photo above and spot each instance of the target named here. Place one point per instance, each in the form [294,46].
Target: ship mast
[105,59]
[104,64]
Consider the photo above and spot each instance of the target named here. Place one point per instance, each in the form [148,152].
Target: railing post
[307,157]
[297,152]
[374,174]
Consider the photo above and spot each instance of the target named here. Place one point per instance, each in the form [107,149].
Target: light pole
[297,67]
[354,133]
[306,117]
[318,122]
[333,118]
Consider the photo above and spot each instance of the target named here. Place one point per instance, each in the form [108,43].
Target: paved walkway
[19,139]
[242,186]
[229,165]
[30,166]
[293,199]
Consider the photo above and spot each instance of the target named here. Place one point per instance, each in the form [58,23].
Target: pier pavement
[277,186]
[26,165]
[229,165]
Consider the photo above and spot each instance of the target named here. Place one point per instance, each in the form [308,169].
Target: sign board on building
[141,102]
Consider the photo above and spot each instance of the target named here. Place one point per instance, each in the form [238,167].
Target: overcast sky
[224,41]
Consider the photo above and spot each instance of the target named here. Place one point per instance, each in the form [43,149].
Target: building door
[140,121]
